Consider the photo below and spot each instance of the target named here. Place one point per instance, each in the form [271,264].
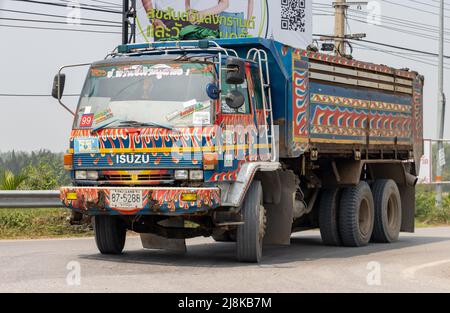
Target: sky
[29,59]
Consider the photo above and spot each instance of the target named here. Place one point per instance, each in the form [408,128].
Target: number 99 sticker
[86,120]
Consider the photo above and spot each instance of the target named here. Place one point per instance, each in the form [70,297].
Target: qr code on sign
[293,15]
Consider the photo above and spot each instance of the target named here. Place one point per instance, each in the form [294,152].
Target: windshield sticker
[98,73]
[191,103]
[201,118]
[86,120]
[198,106]
[159,70]
[103,116]
[86,145]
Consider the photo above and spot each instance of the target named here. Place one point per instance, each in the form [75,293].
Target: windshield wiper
[146,124]
[133,124]
[94,130]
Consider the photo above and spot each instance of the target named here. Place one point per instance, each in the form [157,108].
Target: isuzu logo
[133,159]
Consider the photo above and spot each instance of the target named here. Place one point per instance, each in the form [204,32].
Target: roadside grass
[428,213]
[39,223]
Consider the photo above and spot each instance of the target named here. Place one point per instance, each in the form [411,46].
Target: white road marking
[410,272]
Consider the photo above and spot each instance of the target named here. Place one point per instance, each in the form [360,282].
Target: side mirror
[213,91]
[235,71]
[58,86]
[235,99]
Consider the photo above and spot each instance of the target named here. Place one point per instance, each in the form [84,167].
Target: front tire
[110,234]
[250,235]
[356,215]
[388,211]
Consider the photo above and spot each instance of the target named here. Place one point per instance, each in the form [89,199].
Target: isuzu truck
[244,140]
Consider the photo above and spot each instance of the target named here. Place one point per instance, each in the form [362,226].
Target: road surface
[418,263]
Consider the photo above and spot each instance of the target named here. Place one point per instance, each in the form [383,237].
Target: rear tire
[328,217]
[250,235]
[110,234]
[388,211]
[356,215]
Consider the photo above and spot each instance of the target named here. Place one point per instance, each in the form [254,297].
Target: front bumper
[156,201]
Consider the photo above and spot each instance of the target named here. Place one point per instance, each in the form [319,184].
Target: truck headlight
[181,175]
[86,175]
[81,175]
[196,175]
[92,175]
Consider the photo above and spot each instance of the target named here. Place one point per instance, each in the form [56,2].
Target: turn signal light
[189,197]
[71,196]
[68,161]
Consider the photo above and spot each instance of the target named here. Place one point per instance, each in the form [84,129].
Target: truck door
[260,116]
[237,124]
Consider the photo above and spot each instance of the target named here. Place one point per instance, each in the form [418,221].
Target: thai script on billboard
[287,21]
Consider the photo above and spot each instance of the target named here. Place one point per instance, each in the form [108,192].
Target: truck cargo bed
[336,105]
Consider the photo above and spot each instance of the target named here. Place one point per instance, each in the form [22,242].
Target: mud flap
[280,216]
[408,196]
[155,242]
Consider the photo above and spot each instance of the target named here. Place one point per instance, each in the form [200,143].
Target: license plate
[126,199]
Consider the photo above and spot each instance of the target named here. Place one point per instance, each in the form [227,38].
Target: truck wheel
[250,235]
[388,211]
[356,215]
[328,217]
[110,234]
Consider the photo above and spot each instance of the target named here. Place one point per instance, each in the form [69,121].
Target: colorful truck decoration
[248,140]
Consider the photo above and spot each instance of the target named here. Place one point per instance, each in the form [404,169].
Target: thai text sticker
[201,118]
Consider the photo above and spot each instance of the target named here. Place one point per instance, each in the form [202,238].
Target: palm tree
[9,181]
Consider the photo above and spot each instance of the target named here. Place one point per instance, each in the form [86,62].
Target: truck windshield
[172,94]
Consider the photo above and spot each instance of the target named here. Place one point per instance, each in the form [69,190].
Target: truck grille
[139,177]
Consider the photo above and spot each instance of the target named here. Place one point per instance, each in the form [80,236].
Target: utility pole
[340,7]
[128,21]
[441,110]
[125,22]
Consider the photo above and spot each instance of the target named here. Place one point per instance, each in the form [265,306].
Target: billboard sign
[287,21]
[426,163]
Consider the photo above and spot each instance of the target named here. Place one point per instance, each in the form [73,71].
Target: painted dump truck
[246,141]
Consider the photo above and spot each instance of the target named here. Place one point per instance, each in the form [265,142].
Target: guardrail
[29,199]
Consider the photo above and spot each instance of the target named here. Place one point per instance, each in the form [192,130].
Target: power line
[394,21]
[73,4]
[409,32]
[427,4]
[413,33]
[402,22]
[386,45]
[60,16]
[107,2]
[54,22]
[398,54]
[413,8]
[65,5]
[33,95]
[59,29]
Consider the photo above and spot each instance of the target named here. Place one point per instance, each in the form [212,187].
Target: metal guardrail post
[30,199]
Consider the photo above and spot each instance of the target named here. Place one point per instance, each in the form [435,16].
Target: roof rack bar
[197,45]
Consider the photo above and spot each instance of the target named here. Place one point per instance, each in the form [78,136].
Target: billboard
[426,163]
[287,21]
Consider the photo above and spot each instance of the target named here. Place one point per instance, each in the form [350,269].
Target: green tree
[9,181]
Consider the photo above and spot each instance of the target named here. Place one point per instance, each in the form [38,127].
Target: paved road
[419,262]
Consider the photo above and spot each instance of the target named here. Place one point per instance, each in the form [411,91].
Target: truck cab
[160,135]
